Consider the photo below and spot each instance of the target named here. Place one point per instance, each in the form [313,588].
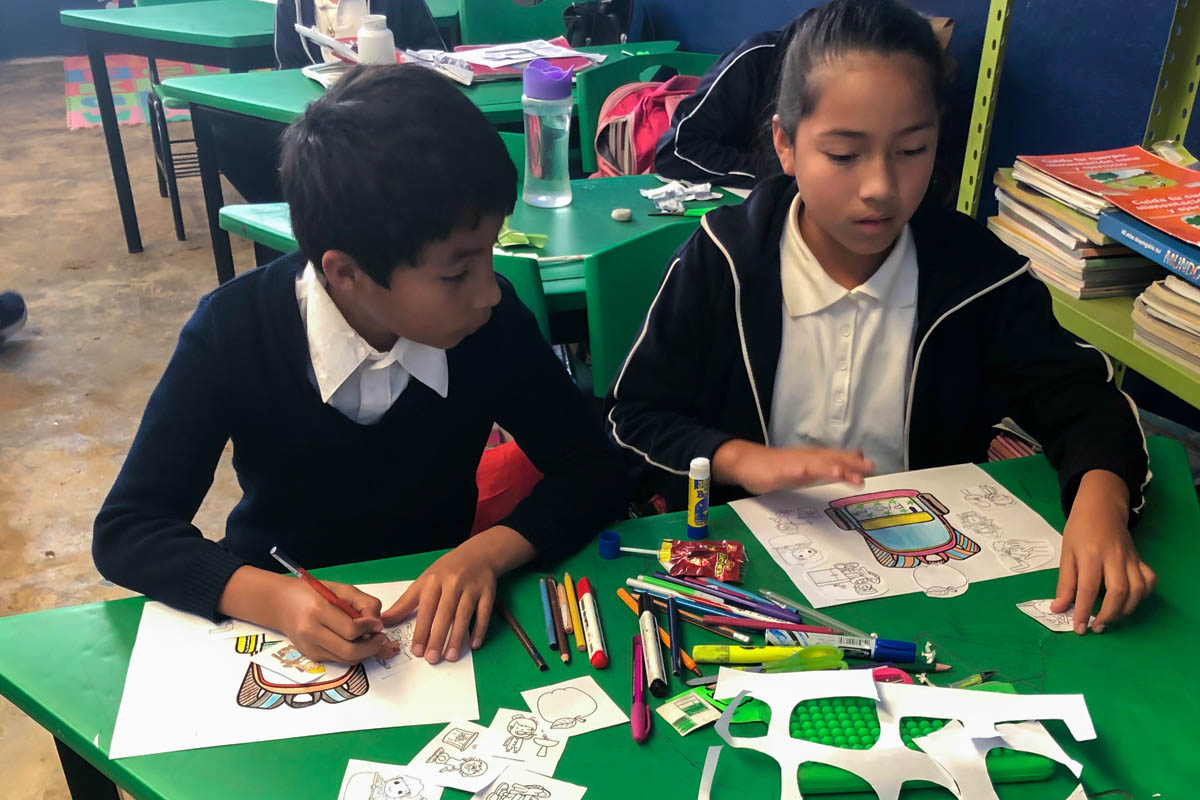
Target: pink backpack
[632,119]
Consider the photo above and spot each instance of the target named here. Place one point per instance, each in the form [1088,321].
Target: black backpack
[606,22]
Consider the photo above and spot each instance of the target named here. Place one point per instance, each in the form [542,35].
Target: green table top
[1106,322]
[212,23]
[282,95]
[584,228]
[66,669]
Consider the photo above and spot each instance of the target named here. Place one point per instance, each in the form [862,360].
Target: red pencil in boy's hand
[321,589]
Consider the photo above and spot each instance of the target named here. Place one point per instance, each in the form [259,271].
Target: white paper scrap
[521,784]
[574,707]
[1063,622]
[457,757]
[521,737]
[370,780]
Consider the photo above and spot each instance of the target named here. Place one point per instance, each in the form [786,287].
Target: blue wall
[1078,74]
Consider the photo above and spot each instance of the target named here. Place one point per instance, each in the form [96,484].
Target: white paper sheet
[370,780]
[504,55]
[221,698]
[524,739]
[574,707]
[1040,611]
[458,757]
[934,531]
[520,784]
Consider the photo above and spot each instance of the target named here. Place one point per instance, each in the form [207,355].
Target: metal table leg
[84,781]
[112,138]
[210,180]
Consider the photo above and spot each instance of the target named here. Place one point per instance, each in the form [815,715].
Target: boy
[359,380]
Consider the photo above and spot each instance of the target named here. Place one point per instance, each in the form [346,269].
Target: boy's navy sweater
[322,487]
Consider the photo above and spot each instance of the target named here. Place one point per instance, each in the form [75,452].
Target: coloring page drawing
[520,784]
[458,757]
[574,707]
[1040,610]
[897,534]
[522,737]
[369,780]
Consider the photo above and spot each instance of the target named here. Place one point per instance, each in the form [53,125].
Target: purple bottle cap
[542,80]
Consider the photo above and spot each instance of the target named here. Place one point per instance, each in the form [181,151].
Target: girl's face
[863,157]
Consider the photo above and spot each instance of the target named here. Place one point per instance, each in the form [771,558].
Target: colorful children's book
[1178,256]
[1061,213]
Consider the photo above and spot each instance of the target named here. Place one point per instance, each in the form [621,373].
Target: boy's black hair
[844,26]
[391,159]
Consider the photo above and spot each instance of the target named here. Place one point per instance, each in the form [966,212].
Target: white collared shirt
[349,374]
[846,354]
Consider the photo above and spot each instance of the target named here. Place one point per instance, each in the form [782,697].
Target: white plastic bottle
[376,45]
[547,105]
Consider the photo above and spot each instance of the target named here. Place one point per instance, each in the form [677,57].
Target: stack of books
[1166,318]
[1049,210]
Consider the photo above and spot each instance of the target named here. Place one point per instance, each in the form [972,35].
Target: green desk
[1106,323]
[66,668]
[235,34]
[282,96]
[583,228]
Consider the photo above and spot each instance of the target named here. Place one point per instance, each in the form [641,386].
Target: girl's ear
[784,147]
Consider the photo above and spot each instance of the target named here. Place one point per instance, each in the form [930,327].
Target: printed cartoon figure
[1021,555]
[260,691]
[902,527]
[565,707]
[468,767]
[293,658]
[847,575]
[796,549]
[1132,179]
[1040,610]
[460,738]
[520,730]
[978,524]
[790,520]
[373,786]
[517,791]
[402,635]
[987,497]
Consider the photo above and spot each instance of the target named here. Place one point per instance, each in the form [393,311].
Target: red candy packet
[708,558]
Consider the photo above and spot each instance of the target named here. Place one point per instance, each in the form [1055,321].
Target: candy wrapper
[708,558]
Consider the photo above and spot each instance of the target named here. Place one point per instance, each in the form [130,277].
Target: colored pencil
[573,606]
[759,625]
[526,642]
[697,621]
[320,588]
[628,600]
[560,635]
[673,628]
[551,636]
[563,611]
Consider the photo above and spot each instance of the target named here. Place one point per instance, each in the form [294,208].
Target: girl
[852,331]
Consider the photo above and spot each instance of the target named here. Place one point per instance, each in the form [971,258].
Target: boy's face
[447,295]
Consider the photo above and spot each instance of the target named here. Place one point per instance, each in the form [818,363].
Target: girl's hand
[1097,549]
[459,585]
[759,469]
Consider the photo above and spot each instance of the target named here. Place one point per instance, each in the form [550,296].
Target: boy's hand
[459,585]
[759,469]
[319,629]
[1097,548]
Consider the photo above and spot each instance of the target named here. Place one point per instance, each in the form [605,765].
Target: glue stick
[697,515]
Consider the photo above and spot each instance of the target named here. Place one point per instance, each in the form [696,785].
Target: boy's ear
[341,271]
[784,147]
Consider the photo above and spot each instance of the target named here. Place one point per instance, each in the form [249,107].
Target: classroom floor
[102,324]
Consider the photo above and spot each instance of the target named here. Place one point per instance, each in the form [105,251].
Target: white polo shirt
[350,374]
[846,355]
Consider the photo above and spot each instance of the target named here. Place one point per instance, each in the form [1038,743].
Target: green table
[1136,677]
[235,34]
[283,95]
[583,228]
[1106,322]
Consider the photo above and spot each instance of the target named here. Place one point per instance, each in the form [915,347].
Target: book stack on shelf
[1166,318]
[1049,210]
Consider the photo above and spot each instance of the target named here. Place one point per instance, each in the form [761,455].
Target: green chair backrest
[502,21]
[595,84]
[515,143]
[526,278]
[142,3]
[620,284]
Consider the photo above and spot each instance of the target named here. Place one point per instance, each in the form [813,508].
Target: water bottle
[547,105]
[376,44]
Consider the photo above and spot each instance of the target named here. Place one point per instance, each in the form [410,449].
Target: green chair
[620,284]
[524,275]
[501,21]
[594,85]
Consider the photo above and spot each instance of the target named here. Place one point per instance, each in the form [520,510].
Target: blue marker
[551,636]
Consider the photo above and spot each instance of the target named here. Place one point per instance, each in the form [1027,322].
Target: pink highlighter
[639,712]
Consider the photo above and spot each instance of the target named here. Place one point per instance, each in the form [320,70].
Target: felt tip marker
[639,712]
[655,672]
[869,648]
[593,633]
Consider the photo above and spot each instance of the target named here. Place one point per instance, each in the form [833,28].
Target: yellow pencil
[573,607]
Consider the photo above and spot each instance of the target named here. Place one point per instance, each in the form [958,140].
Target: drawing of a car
[902,527]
